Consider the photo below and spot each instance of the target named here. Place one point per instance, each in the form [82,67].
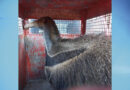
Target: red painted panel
[57,4]
[63,9]
[53,13]
[100,8]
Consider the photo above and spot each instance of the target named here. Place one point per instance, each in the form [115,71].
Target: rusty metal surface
[59,4]
[35,56]
[63,9]
[22,63]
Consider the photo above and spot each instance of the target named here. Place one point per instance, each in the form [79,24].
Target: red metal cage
[73,18]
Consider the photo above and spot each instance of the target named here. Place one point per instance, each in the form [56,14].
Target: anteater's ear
[47,20]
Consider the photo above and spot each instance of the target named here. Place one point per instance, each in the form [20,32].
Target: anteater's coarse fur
[91,67]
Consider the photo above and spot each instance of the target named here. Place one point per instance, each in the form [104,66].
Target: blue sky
[121,44]
[9,44]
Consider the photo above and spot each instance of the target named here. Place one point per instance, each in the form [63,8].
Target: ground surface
[38,85]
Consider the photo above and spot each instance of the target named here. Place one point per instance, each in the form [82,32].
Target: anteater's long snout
[30,25]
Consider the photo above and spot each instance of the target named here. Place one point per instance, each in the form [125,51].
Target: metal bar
[83,26]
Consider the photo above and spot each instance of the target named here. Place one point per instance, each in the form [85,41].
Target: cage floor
[38,85]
